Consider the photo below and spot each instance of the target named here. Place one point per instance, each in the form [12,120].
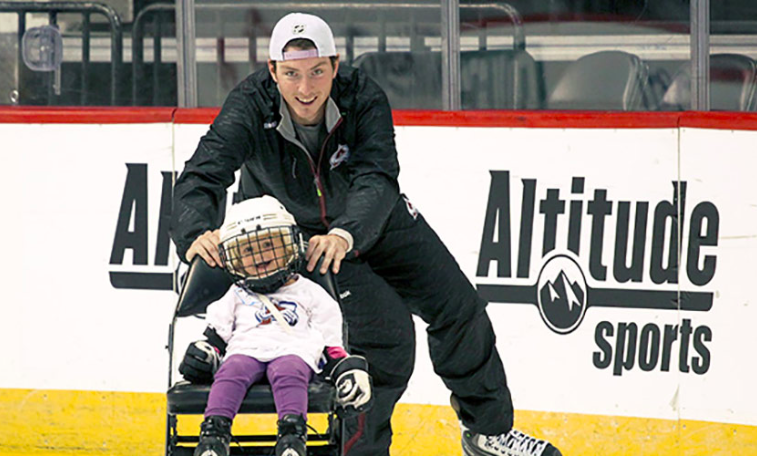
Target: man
[320,139]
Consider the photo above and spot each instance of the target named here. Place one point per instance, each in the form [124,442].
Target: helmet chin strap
[275,312]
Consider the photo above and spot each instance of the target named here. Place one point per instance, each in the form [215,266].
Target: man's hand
[200,362]
[332,247]
[206,245]
[354,388]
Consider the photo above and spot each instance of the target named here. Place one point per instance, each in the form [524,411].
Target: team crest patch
[342,153]
[410,207]
[288,310]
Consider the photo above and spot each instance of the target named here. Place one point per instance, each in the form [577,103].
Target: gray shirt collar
[286,128]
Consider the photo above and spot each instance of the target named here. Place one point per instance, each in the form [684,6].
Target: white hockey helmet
[261,245]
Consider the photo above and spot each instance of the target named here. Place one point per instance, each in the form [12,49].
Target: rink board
[600,357]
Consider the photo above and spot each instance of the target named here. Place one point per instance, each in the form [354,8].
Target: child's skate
[215,437]
[292,436]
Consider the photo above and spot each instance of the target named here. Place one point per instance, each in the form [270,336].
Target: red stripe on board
[540,119]
[537,119]
[522,119]
[196,115]
[720,120]
[74,115]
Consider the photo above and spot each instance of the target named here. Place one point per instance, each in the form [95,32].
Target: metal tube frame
[186,64]
[451,86]
[700,55]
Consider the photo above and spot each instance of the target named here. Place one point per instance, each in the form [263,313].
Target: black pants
[409,271]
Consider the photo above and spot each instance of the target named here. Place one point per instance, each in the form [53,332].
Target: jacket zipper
[316,170]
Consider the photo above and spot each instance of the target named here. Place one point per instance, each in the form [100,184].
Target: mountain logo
[562,294]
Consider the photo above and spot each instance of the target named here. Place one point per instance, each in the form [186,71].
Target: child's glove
[203,357]
[354,387]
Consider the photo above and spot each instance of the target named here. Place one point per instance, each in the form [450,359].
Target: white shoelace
[515,443]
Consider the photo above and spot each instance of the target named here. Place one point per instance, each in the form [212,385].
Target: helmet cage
[263,260]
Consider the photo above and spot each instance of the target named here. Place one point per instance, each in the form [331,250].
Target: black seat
[187,399]
[604,81]
[733,82]
[497,79]
[202,286]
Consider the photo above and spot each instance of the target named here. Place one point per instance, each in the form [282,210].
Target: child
[272,322]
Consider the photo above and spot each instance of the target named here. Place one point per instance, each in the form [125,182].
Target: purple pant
[288,375]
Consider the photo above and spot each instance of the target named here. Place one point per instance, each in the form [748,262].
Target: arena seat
[606,81]
[733,82]
[496,79]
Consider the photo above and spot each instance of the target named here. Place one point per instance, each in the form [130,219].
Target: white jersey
[242,320]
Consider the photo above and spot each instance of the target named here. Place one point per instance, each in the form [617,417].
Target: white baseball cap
[299,25]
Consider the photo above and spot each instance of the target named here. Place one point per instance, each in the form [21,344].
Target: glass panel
[232,41]
[733,50]
[73,53]
[592,54]
[151,79]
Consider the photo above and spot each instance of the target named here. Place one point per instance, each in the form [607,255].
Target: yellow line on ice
[38,422]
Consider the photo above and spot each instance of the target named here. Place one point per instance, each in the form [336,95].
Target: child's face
[263,254]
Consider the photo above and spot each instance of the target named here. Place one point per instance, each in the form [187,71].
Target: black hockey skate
[513,443]
[292,436]
[215,437]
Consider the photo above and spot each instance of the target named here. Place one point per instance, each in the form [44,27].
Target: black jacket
[352,188]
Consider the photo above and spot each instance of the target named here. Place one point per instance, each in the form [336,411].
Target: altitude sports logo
[645,248]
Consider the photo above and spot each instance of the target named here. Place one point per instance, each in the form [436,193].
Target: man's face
[305,85]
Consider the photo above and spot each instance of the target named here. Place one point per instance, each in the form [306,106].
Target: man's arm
[200,190]
[373,188]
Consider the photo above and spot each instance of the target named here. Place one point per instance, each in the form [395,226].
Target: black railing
[157,26]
